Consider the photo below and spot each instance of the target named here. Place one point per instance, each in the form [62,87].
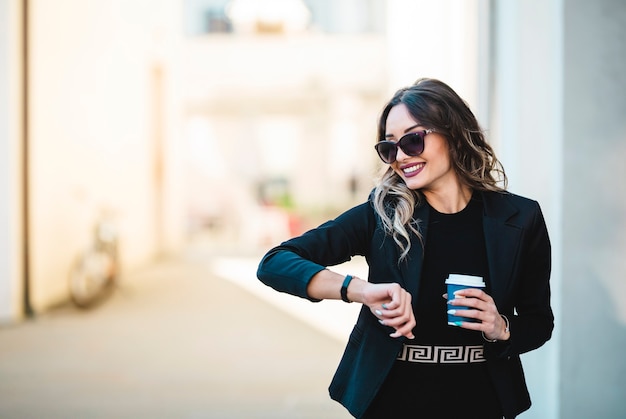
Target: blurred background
[225,127]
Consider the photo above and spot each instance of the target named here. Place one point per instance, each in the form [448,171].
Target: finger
[397,297]
[468,325]
[401,301]
[379,314]
[390,305]
[389,313]
[397,323]
[472,302]
[467,313]
[405,330]
[404,320]
[473,293]
[397,334]
[384,314]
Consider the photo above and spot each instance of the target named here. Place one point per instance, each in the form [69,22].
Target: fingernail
[381,322]
[385,306]
[453,312]
[458,323]
[411,337]
[380,313]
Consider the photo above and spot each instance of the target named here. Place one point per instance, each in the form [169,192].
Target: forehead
[399,119]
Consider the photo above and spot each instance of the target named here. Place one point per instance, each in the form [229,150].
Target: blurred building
[280,115]
[90,129]
[205,115]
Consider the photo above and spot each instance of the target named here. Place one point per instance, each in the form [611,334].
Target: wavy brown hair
[434,105]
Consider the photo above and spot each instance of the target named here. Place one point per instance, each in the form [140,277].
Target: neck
[449,202]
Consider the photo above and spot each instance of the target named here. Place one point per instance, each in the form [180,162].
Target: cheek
[441,158]
[398,172]
[444,162]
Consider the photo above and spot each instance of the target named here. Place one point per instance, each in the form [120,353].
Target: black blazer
[519,260]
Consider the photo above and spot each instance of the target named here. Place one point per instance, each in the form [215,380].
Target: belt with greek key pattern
[428,354]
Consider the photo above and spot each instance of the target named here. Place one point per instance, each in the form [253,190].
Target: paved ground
[173,341]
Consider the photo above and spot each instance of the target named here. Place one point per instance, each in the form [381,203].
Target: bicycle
[94,274]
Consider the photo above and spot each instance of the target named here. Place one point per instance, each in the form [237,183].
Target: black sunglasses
[411,144]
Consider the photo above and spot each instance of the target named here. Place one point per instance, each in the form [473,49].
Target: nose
[400,154]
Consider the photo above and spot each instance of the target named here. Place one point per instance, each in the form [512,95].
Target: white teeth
[413,168]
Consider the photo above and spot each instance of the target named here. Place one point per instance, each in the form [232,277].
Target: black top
[454,244]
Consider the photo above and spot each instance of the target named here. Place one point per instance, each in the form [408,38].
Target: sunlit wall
[103,125]
[11,242]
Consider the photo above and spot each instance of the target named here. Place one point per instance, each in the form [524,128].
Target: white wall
[11,243]
[438,39]
[103,133]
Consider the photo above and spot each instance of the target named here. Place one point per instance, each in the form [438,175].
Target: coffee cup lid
[467,280]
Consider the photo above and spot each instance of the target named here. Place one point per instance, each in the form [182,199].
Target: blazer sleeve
[534,313]
[533,321]
[290,266]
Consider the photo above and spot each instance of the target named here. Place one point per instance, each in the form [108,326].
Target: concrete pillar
[526,124]
[593,337]
[559,100]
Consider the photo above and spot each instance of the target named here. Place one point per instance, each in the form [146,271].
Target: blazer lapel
[502,242]
[411,267]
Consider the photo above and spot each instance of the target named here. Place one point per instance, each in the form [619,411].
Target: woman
[437,210]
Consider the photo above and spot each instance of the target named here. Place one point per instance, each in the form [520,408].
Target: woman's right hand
[391,304]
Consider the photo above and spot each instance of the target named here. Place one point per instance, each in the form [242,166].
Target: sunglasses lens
[387,151]
[412,144]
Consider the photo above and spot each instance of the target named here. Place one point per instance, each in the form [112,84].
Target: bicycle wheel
[92,275]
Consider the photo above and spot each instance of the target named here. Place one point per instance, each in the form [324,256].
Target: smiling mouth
[413,169]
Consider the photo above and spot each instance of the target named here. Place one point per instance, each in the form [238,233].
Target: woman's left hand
[481,307]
